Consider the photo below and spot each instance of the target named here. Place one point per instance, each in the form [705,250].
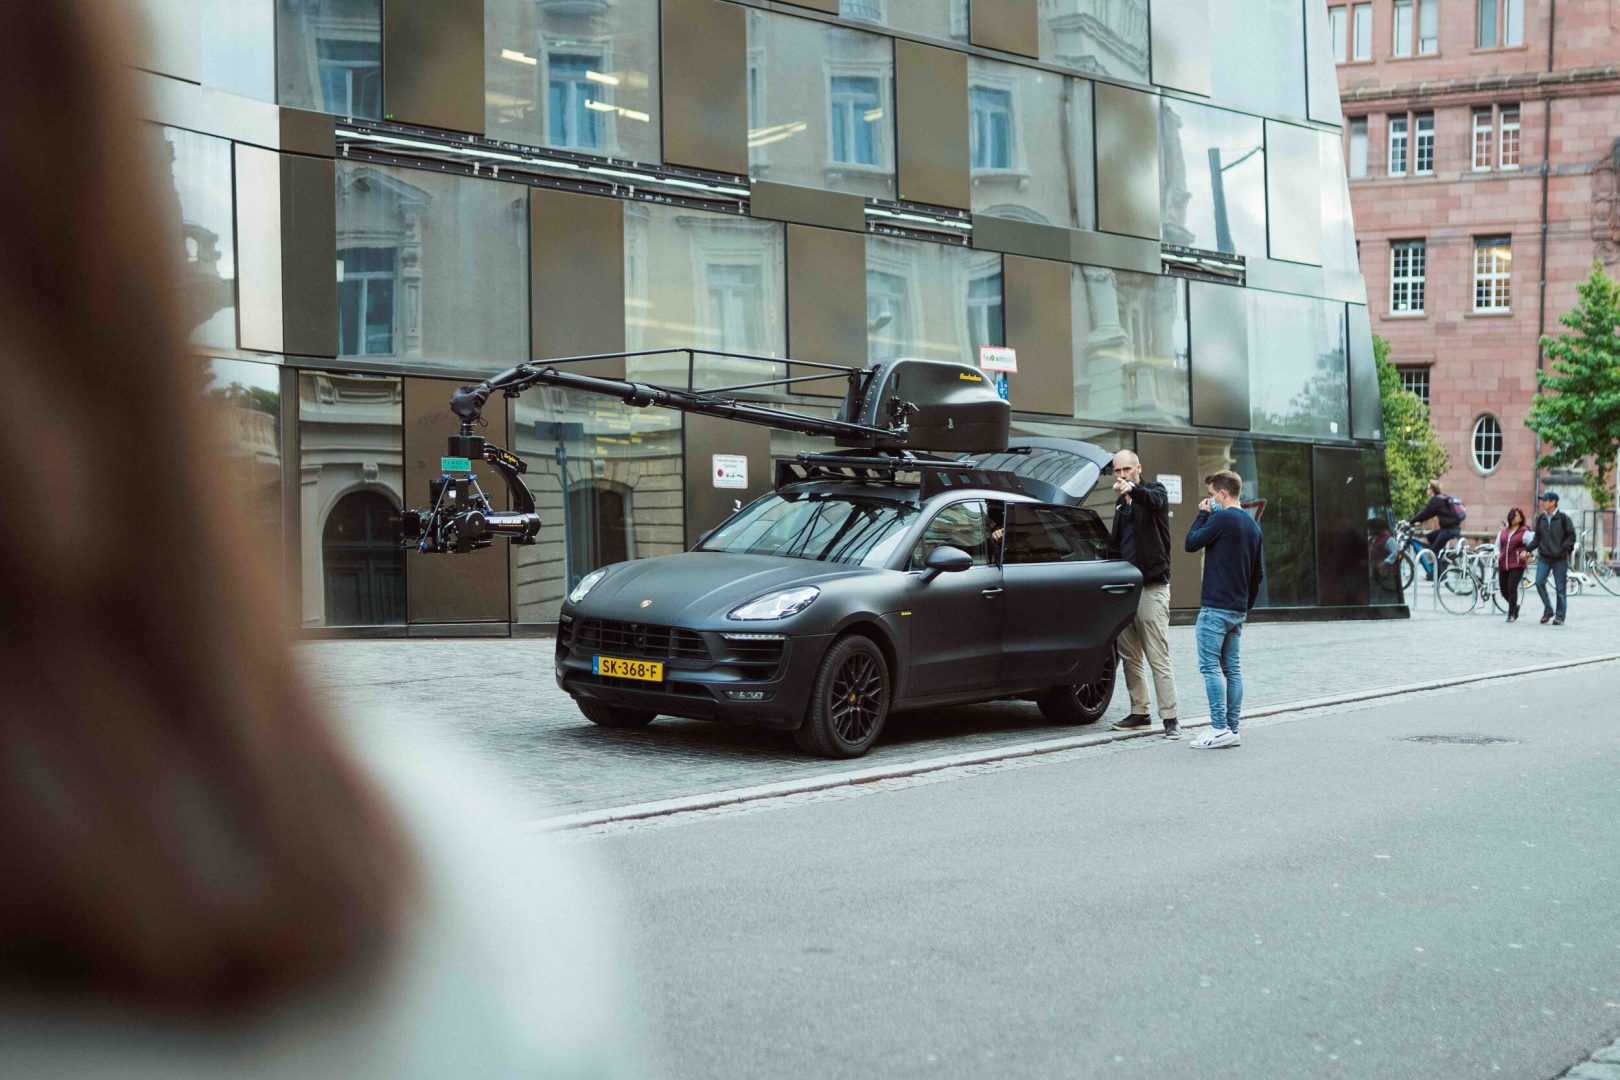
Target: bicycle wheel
[1408,572]
[1457,590]
[1605,576]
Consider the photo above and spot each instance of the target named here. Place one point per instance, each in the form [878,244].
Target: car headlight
[586,584]
[776,605]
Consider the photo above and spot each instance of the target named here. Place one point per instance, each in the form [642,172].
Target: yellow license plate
[645,670]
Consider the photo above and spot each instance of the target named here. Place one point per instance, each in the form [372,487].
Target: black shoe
[1558,622]
[1547,618]
[1172,729]
[1134,721]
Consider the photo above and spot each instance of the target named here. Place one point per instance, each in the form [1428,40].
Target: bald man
[1142,536]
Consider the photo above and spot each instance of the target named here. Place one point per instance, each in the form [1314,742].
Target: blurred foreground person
[198,875]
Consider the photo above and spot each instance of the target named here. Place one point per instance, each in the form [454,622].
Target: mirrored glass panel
[1212,178]
[351,458]
[239,47]
[1384,585]
[432,268]
[608,485]
[1338,231]
[196,196]
[707,281]
[329,56]
[820,105]
[244,402]
[1130,346]
[1104,37]
[1030,145]
[1257,56]
[1277,495]
[943,19]
[931,301]
[576,75]
[1298,366]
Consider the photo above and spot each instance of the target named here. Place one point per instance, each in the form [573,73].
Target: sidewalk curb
[734,796]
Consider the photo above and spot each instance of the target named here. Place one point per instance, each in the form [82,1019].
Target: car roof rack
[937,473]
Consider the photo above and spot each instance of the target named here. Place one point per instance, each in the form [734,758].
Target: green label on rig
[455,464]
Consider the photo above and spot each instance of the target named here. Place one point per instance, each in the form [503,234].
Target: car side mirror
[945,560]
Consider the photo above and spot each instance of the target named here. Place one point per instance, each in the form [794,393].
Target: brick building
[1482,139]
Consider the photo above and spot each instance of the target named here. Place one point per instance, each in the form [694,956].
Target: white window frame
[1506,128]
[1408,276]
[1339,32]
[1486,444]
[1415,379]
[1018,164]
[1399,125]
[1428,18]
[1493,273]
[1356,158]
[601,51]
[883,75]
[1361,27]
[1484,136]
[1423,144]
[1404,23]
[1512,23]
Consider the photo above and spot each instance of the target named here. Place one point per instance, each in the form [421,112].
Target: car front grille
[637,641]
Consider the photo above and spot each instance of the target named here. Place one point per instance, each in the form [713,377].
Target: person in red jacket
[1511,559]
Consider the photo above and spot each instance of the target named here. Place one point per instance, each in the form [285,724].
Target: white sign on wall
[1172,486]
[998,358]
[730,471]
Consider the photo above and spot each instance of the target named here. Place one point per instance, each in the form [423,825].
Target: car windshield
[827,528]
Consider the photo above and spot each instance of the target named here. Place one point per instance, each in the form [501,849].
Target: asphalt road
[1327,901]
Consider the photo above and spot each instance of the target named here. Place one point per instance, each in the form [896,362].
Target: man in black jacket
[1555,543]
[1142,535]
[1443,509]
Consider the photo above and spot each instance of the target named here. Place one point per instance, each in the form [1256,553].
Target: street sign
[730,471]
[998,358]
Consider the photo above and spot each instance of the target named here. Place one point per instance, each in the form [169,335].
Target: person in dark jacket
[1142,537]
[1233,568]
[1555,543]
[1443,509]
[1511,560]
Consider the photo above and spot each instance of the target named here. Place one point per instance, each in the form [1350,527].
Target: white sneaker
[1216,739]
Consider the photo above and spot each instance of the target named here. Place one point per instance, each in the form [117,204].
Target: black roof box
[951,408]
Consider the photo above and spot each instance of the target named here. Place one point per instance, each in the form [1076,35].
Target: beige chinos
[1148,638]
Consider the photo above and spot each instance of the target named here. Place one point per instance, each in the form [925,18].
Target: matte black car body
[988,632]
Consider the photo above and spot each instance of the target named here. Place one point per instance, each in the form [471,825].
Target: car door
[1066,596]
[956,619]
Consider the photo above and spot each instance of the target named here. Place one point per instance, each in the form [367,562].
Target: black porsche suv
[852,591]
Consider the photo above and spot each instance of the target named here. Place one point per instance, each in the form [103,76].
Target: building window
[855,107]
[1358,146]
[366,302]
[1493,270]
[1428,27]
[1482,139]
[1363,13]
[1416,380]
[737,305]
[1487,443]
[1485,10]
[1339,33]
[1510,31]
[1403,27]
[572,105]
[985,325]
[1397,146]
[1509,142]
[1423,151]
[351,77]
[1408,261]
[1513,22]
[990,128]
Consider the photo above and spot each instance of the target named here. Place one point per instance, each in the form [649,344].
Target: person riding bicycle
[1448,514]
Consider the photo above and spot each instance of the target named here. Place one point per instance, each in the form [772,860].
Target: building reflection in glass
[1277,494]
[199,214]
[1257,56]
[244,402]
[1102,37]
[1298,365]
[1130,346]
[1030,145]
[1212,178]
[351,472]
[931,301]
[329,56]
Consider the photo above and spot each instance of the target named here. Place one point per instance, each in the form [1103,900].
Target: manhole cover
[1460,740]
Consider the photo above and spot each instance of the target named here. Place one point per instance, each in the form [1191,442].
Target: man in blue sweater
[1230,541]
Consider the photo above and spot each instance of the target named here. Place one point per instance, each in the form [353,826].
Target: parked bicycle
[1411,554]
[1589,565]
[1470,579]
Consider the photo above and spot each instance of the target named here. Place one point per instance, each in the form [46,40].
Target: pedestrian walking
[1511,559]
[1555,543]
[1142,537]
[1231,543]
[1448,514]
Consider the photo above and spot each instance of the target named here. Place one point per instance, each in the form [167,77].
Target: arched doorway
[362,562]
[598,527]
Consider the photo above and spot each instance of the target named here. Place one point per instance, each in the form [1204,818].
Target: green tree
[1577,404]
[1412,451]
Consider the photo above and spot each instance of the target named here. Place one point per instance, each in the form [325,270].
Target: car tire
[849,702]
[1084,703]
[602,714]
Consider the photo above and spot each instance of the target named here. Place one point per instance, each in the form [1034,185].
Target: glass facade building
[376,201]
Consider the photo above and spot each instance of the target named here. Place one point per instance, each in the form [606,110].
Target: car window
[1044,534]
[827,528]
[962,525]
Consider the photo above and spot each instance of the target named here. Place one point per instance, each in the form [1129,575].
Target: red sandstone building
[1482,139]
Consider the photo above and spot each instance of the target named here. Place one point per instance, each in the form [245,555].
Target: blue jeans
[1559,569]
[1220,634]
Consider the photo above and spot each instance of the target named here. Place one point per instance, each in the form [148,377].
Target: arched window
[362,562]
[1487,443]
[598,527]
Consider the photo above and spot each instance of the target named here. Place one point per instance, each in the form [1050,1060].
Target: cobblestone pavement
[497,696]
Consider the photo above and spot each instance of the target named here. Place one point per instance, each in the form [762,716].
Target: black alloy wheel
[1083,703]
[850,700]
[602,714]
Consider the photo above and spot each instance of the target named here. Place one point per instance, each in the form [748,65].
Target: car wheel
[1084,703]
[613,716]
[849,702]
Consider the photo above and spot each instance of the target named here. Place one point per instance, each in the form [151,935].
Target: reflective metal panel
[1257,56]
[1366,403]
[1181,44]
[1277,495]
[1038,326]
[705,71]
[1177,455]
[433,268]
[1213,175]
[1127,140]
[329,56]
[931,301]
[1219,319]
[1111,249]
[576,278]
[197,209]
[1009,25]
[1297,365]
[826,303]
[258,248]
[1322,77]
[434,51]
[1130,346]
[1022,237]
[309,287]
[1341,525]
[807,206]
[932,125]
[1294,192]
[1030,145]
[1109,37]
[578,75]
